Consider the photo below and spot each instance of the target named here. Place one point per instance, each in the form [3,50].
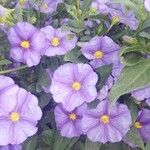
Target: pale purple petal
[5,82]
[9,96]
[147,5]
[17,54]
[32,58]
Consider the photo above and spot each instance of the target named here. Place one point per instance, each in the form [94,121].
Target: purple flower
[11,147]
[47,6]
[58,42]
[74,84]
[142,94]
[19,113]
[120,13]
[103,125]
[117,12]
[101,51]
[69,122]
[142,124]
[147,5]
[27,43]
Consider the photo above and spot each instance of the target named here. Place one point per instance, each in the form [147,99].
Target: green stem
[20,9]
[12,70]
[78,9]
[109,28]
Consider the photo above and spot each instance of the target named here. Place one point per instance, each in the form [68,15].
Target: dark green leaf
[73,56]
[44,100]
[145,34]
[132,58]
[61,143]
[30,144]
[91,146]
[103,72]
[5,62]
[131,78]
[43,78]
[133,107]
[48,137]
[147,147]
[135,138]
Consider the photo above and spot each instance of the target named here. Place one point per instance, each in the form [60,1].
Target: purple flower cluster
[73,86]
[28,44]
[117,12]
[44,6]
[100,124]
[19,113]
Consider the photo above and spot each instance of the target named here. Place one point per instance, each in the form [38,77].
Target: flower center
[55,41]
[116,19]
[76,86]
[25,44]
[98,54]
[72,116]
[14,117]
[45,6]
[137,125]
[104,119]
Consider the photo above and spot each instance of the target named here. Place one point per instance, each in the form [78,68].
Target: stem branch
[12,70]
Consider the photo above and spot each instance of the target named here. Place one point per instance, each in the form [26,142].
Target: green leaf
[43,78]
[103,72]
[86,4]
[62,143]
[91,146]
[73,56]
[133,107]
[135,48]
[44,100]
[48,137]
[131,58]
[132,77]
[134,137]
[114,146]
[147,147]
[30,144]
[144,34]
[5,62]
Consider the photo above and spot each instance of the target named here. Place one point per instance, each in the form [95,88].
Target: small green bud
[115,20]
[33,19]
[129,40]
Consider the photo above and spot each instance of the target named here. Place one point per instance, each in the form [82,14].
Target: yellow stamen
[98,54]
[137,125]
[104,119]
[55,41]
[72,116]
[25,44]
[14,117]
[115,19]
[76,86]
